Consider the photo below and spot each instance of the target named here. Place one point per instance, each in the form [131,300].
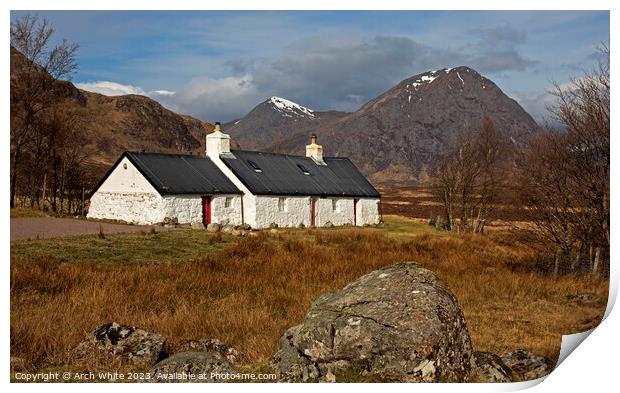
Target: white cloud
[218,99]
[162,93]
[108,88]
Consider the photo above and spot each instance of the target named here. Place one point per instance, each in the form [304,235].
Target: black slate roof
[281,174]
[179,174]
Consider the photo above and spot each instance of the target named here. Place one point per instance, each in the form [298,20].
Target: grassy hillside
[189,284]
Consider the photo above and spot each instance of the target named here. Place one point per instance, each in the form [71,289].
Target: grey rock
[399,323]
[526,365]
[301,225]
[274,231]
[198,225]
[181,366]
[170,221]
[273,225]
[328,224]
[488,367]
[214,227]
[238,232]
[212,345]
[227,228]
[127,342]
[290,363]
[245,227]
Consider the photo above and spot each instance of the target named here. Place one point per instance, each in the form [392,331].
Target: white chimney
[315,151]
[217,142]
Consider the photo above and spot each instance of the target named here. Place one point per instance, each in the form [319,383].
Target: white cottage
[147,188]
[238,186]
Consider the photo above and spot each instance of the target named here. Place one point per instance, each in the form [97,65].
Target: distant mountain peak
[426,78]
[396,136]
[289,108]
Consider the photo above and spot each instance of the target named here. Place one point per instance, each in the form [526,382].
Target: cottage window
[335,205]
[228,202]
[303,169]
[281,204]
[254,166]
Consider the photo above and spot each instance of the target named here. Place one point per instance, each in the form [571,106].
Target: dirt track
[48,227]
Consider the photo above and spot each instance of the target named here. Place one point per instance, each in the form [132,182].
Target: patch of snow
[285,105]
[409,98]
[237,122]
[429,79]
[422,79]
[462,81]
[448,70]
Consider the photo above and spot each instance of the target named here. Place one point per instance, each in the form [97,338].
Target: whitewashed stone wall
[146,208]
[296,211]
[132,207]
[368,211]
[222,214]
[343,214]
[187,209]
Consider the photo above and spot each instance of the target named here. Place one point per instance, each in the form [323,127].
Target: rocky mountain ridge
[396,136]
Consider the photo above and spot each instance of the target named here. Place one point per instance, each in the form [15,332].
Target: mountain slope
[112,125]
[394,137]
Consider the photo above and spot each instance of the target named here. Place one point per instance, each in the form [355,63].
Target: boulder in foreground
[399,323]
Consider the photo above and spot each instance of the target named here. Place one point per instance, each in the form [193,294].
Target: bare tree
[564,175]
[468,178]
[547,193]
[33,79]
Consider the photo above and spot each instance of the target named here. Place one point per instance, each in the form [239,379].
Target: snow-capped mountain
[396,135]
[290,108]
[272,120]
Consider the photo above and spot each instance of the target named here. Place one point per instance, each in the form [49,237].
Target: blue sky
[217,65]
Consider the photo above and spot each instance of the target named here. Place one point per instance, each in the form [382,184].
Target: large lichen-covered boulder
[127,342]
[399,323]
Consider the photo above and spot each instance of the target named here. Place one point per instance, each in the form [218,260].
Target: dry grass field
[189,284]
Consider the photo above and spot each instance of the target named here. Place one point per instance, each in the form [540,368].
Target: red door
[312,212]
[206,210]
[355,212]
